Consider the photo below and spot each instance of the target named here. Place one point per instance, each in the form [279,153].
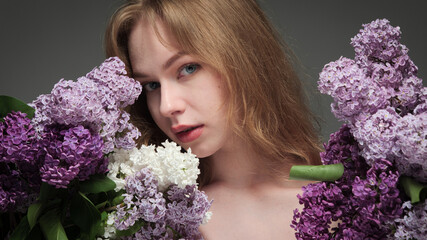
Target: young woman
[217,79]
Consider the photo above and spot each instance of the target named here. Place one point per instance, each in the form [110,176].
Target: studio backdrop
[46,40]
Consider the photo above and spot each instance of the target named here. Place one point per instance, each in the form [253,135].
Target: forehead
[146,45]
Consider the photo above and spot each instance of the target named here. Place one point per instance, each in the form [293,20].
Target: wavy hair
[264,96]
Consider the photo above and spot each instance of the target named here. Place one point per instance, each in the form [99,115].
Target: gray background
[46,40]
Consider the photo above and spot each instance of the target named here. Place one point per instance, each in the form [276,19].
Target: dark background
[46,40]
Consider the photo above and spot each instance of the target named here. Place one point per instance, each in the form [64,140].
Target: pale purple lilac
[360,204]
[350,89]
[156,230]
[378,40]
[95,101]
[411,142]
[174,215]
[376,135]
[142,202]
[413,225]
[186,209]
[375,92]
[378,50]
[19,179]
[69,154]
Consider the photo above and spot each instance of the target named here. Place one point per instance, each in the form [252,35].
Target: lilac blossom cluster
[73,128]
[19,163]
[57,156]
[413,225]
[70,153]
[175,214]
[382,99]
[360,205]
[95,101]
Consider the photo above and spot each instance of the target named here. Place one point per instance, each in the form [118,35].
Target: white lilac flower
[109,229]
[178,168]
[167,163]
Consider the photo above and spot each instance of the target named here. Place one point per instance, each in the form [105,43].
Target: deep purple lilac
[357,206]
[70,153]
[384,103]
[95,101]
[19,178]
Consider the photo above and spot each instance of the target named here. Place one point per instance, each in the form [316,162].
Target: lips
[187,133]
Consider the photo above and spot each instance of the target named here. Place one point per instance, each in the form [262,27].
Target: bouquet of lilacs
[70,168]
[382,148]
[160,199]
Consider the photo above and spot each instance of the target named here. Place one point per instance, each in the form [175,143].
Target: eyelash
[197,66]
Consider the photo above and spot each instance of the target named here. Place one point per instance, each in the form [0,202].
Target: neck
[238,166]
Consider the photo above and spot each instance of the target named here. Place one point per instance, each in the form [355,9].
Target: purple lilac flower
[413,225]
[408,96]
[378,40]
[422,103]
[411,142]
[70,153]
[95,101]
[381,75]
[143,202]
[358,205]
[376,134]
[19,179]
[186,209]
[157,230]
[177,216]
[378,48]
[352,91]
[384,103]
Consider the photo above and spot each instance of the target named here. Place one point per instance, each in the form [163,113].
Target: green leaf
[35,234]
[329,173]
[34,212]
[47,192]
[51,226]
[85,215]
[97,184]
[104,216]
[131,230]
[413,189]
[21,231]
[118,200]
[101,205]
[9,104]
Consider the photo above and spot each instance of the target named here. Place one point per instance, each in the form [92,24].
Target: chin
[201,152]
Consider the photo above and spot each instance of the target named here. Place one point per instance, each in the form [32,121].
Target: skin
[248,203]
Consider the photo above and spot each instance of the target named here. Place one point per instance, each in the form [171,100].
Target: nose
[172,102]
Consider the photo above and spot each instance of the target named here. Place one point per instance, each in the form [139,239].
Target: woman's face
[185,96]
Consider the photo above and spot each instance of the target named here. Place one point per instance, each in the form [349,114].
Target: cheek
[153,105]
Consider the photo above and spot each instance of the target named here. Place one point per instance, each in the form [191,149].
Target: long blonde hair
[264,96]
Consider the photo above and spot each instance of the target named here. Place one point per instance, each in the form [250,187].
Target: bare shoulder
[264,212]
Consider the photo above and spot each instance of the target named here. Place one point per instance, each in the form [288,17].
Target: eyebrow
[165,66]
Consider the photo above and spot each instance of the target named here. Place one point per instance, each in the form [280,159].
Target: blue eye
[151,86]
[188,69]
